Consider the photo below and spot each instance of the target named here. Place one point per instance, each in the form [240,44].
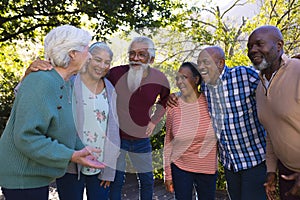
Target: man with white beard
[138,86]
[135,76]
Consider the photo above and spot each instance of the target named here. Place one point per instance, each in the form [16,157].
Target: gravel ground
[53,195]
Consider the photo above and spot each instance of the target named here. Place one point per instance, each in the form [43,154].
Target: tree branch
[236,3]
[13,35]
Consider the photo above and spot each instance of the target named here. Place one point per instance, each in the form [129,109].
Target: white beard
[263,65]
[135,76]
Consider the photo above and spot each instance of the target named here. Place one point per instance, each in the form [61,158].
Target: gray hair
[101,46]
[63,39]
[145,40]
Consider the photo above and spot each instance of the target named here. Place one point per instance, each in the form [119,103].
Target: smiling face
[210,65]
[99,64]
[186,81]
[265,47]
[139,56]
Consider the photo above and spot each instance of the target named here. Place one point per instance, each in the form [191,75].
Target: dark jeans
[139,153]
[184,183]
[284,185]
[70,188]
[41,193]
[247,184]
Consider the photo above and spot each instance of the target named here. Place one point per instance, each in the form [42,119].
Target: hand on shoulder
[37,65]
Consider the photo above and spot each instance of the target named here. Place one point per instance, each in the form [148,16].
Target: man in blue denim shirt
[231,100]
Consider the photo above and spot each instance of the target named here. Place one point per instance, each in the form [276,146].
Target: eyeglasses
[141,55]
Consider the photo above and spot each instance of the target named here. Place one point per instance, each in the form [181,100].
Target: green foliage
[240,58]
[221,181]
[10,68]
[283,14]
[201,26]
[194,29]
[27,19]
[157,142]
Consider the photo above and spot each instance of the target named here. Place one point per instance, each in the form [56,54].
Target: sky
[247,10]
[220,3]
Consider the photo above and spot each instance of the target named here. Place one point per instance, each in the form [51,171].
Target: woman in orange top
[190,158]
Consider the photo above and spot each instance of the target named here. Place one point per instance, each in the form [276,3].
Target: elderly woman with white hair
[40,138]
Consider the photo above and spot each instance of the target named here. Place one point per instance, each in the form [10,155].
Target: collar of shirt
[265,81]
[224,74]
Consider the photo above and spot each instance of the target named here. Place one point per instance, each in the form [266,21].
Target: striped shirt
[232,106]
[190,141]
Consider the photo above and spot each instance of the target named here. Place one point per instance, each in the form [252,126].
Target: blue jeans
[184,183]
[139,153]
[69,187]
[41,193]
[247,184]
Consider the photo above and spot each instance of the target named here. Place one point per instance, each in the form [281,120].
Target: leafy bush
[7,83]
[10,72]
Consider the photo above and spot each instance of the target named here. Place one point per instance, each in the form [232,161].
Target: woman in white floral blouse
[97,126]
